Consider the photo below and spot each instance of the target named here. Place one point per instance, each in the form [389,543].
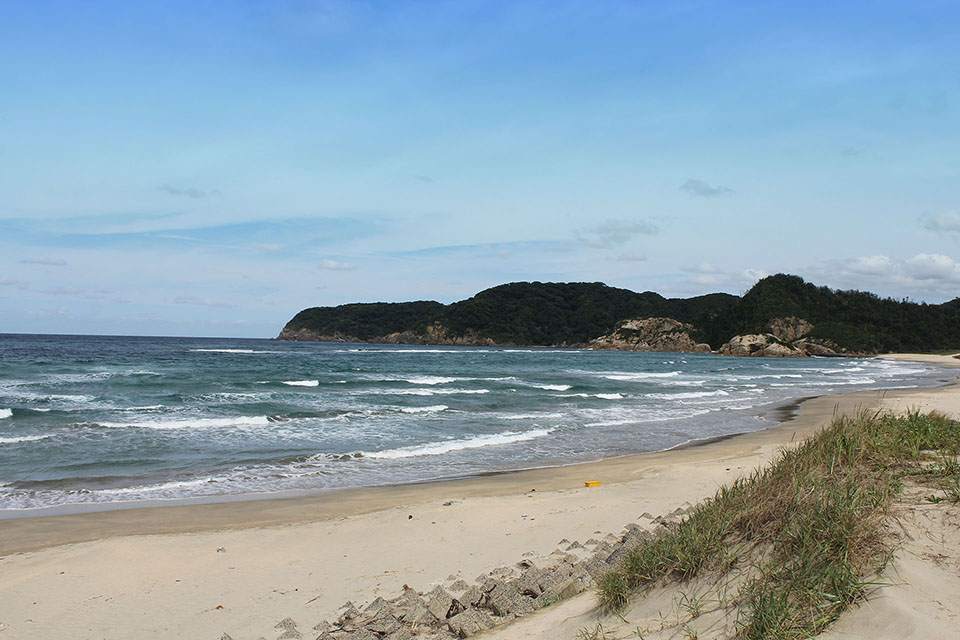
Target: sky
[211,167]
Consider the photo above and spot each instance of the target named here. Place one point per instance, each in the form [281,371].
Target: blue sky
[210,168]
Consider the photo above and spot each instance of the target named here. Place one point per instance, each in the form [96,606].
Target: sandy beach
[197,571]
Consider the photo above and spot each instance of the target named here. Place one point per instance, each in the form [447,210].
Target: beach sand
[239,567]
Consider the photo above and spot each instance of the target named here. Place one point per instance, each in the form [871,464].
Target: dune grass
[810,526]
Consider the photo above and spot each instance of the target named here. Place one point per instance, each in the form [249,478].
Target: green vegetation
[557,314]
[808,530]
[367,321]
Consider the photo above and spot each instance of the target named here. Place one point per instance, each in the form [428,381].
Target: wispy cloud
[707,275]
[631,256]
[49,262]
[947,222]
[614,233]
[851,151]
[334,265]
[189,192]
[486,249]
[699,188]
[201,302]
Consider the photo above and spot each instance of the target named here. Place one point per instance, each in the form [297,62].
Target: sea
[98,422]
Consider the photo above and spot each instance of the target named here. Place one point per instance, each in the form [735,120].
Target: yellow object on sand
[592,483]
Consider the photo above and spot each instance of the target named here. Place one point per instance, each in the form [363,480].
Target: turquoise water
[87,419]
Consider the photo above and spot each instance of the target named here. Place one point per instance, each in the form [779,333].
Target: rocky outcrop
[651,334]
[759,344]
[307,335]
[435,334]
[789,329]
[773,345]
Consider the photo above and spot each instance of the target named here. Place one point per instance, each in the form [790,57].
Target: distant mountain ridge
[779,315]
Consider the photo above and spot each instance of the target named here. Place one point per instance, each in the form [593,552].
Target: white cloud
[932,266]
[49,262]
[947,222]
[930,276]
[189,192]
[632,256]
[707,276]
[201,302]
[614,233]
[695,187]
[333,265]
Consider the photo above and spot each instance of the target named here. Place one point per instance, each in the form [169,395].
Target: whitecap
[687,395]
[552,387]
[192,423]
[432,409]
[225,351]
[16,439]
[430,380]
[435,392]
[641,376]
[6,413]
[609,396]
[302,383]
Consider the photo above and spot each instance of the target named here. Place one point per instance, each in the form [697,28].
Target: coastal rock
[758,344]
[789,329]
[651,334]
[435,334]
[823,348]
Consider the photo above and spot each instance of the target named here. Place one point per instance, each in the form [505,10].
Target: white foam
[530,416]
[475,442]
[609,396]
[432,409]
[16,439]
[641,376]
[225,351]
[430,380]
[6,413]
[687,395]
[436,392]
[192,423]
[302,383]
[154,488]
[552,387]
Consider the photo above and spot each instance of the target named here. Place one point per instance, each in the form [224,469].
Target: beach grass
[809,530]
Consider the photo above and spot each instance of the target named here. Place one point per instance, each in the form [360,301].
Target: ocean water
[101,420]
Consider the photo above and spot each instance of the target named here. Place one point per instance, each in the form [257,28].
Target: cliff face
[651,334]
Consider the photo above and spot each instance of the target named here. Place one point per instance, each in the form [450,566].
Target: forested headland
[576,314]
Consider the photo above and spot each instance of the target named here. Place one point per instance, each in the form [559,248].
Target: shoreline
[31,531]
[197,571]
[775,413]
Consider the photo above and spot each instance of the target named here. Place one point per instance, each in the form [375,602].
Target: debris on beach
[498,596]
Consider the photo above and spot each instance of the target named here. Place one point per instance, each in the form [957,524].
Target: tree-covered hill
[568,314]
